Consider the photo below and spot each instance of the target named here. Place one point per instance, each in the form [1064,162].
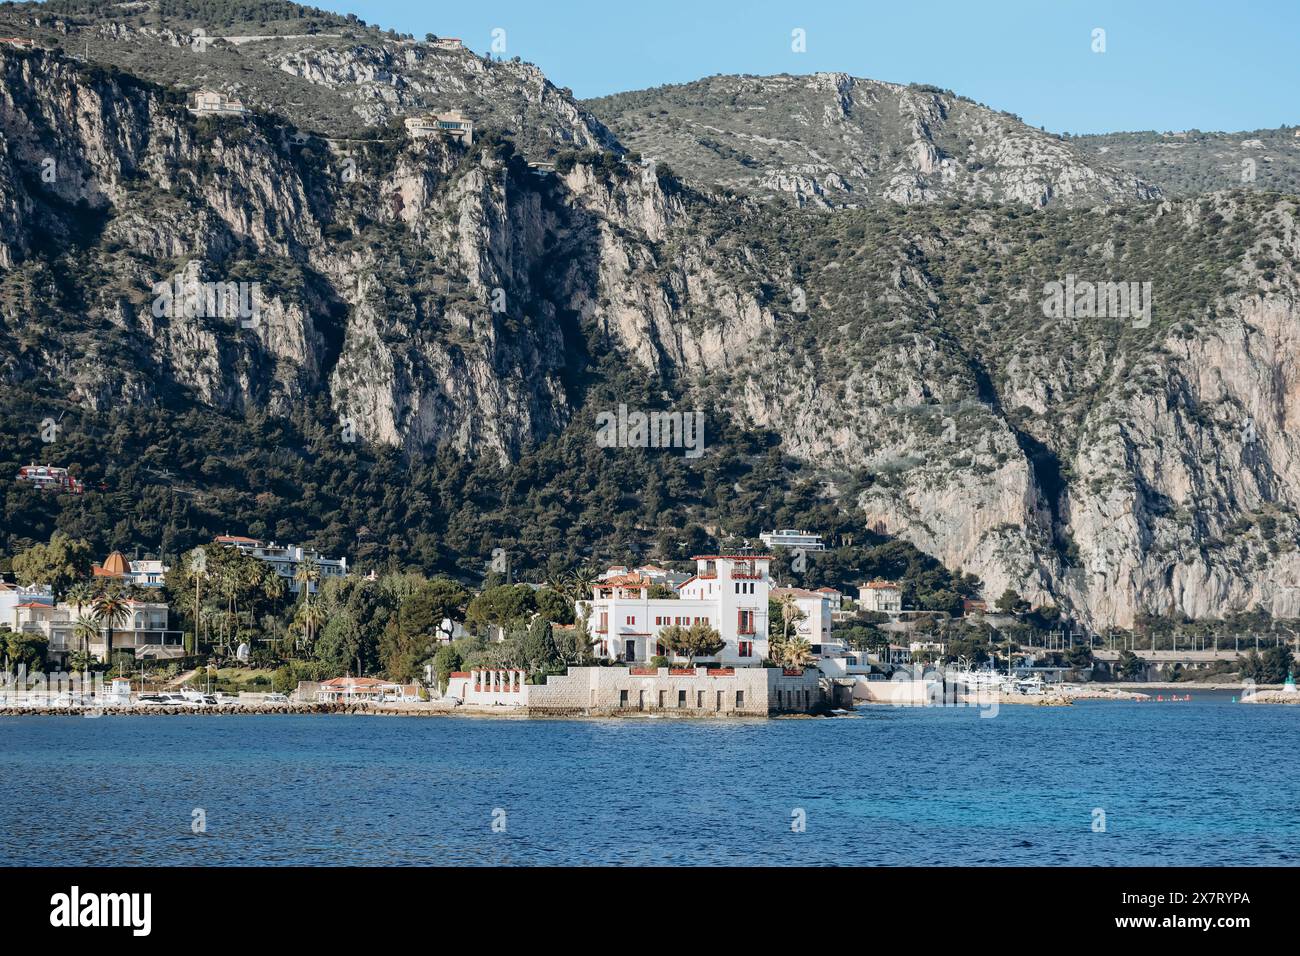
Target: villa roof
[797,592]
[354,682]
[235,539]
[624,581]
[881,585]
[115,565]
[732,557]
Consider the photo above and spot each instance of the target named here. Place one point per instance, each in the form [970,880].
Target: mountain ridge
[901,353]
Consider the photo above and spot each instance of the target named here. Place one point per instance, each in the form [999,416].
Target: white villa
[885,597]
[50,477]
[789,538]
[835,597]
[454,124]
[447,43]
[815,626]
[144,632]
[727,592]
[211,103]
[285,558]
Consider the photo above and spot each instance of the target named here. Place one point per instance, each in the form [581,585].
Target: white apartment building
[727,592]
[789,538]
[286,558]
[144,632]
[885,597]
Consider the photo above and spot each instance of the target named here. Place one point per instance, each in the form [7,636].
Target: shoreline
[1062,696]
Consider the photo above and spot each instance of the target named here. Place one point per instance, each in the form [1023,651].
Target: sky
[1165,65]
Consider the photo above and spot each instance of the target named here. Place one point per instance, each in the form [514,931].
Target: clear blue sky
[1168,64]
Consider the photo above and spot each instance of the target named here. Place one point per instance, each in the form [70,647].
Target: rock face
[831,139]
[337,77]
[435,297]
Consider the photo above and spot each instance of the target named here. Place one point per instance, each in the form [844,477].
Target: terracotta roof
[353,682]
[882,586]
[624,581]
[235,538]
[115,563]
[732,557]
[797,592]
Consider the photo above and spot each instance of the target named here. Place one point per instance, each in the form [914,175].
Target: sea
[1205,781]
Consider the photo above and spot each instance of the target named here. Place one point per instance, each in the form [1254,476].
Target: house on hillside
[286,558]
[884,597]
[790,538]
[454,124]
[211,103]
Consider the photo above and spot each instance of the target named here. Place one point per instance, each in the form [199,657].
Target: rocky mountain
[1095,405]
[1190,162]
[832,140]
[333,75]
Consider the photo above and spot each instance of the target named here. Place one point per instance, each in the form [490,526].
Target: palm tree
[111,610]
[790,613]
[85,631]
[309,618]
[198,568]
[306,575]
[80,595]
[796,653]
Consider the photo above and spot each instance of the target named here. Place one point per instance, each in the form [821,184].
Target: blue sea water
[1205,782]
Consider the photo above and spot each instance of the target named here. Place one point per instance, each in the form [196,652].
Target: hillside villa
[286,558]
[884,597]
[789,538]
[50,477]
[454,124]
[211,103]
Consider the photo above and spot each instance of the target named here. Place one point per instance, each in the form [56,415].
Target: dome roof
[116,564]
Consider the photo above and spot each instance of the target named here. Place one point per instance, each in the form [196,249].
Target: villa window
[745,621]
[746,648]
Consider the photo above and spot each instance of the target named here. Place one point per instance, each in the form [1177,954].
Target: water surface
[1206,782]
